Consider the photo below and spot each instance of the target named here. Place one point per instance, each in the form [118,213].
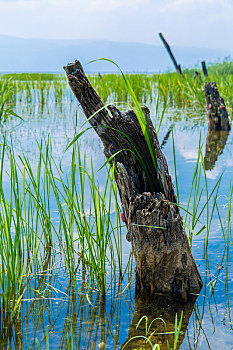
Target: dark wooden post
[197,76]
[204,68]
[169,51]
[164,261]
[217,116]
[218,125]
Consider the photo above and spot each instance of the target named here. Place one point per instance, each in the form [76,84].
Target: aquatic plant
[148,333]
[182,91]
[28,234]
[7,98]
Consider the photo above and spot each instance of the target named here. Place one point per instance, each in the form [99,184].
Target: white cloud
[104,5]
[183,22]
[184,5]
[68,3]
[18,4]
[16,0]
[112,5]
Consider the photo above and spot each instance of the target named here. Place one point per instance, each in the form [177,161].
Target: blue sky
[197,23]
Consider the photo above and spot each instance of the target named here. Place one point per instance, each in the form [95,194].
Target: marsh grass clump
[35,88]
[31,76]
[32,235]
[21,234]
[171,89]
[7,101]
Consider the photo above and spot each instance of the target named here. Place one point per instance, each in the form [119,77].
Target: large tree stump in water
[164,262]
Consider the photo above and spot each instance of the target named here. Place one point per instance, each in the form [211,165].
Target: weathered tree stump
[164,263]
[217,116]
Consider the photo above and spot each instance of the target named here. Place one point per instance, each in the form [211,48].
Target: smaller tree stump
[218,125]
[217,116]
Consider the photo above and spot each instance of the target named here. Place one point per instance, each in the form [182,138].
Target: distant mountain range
[42,55]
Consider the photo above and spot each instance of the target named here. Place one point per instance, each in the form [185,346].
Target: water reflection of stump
[163,307]
[215,143]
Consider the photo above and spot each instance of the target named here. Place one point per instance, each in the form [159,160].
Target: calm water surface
[106,323]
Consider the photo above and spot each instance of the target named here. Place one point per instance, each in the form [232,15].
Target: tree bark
[164,262]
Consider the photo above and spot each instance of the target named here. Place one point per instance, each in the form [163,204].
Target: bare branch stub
[164,262]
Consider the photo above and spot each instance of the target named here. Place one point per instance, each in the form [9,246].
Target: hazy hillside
[39,55]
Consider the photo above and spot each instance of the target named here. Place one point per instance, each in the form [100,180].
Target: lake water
[66,309]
